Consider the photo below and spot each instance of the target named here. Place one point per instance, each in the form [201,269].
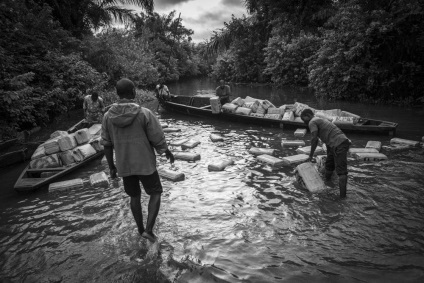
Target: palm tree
[83,16]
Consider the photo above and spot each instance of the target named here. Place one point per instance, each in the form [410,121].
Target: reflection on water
[228,226]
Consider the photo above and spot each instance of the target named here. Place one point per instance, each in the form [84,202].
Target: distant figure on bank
[337,146]
[223,92]
[162,93]
[93,108]
[133,132]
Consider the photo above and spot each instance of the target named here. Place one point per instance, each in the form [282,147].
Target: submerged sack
[51,161]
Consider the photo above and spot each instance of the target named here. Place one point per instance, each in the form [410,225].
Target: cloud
[163,4]
[238,3]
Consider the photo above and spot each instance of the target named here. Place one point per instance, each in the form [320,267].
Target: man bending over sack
[337,146]
[223,92]
[133,131]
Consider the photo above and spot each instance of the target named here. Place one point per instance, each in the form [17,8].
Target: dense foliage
[50,58]
[351,49]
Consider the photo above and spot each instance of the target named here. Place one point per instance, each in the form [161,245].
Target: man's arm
[314,143]
[156,136]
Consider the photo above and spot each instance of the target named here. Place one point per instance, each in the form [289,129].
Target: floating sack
[96,144]
[99,179]
[310,178]
[261,110]
[67,157]
[66,185]
[266,104]
[187,156]
[260,151]
[179,142]
[47,174]
[229,108]
[374,144]
[243,111]
[216,138]
[257,115]
[348,114]
[164,125]
[397,148]
[352,151]
[307,150]
[287,143]
[274,110]
[95,129]
[238,101]
[50,161]
[51,146]
[295,159]
[252,105]
[39,152]
[58,134]
[300,133]
[270,160]
[288,116]
[83,152]
[370,156]
[403,141]
[67,142]
[82,136]
[273,116]
[344,120]
[215,105]
[171,130]
[220,166]
[190,144]
[171,175]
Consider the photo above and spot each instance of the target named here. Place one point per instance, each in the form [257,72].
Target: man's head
[125,89]
[307,115]
[222,82]
[94,96]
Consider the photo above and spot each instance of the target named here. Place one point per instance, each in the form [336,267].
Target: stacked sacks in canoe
[64,149]
[250,106]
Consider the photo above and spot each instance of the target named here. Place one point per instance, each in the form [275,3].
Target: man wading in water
[337,146]
[93,108]
[223,92]
[133,131]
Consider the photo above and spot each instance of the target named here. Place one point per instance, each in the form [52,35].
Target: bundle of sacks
[63,149]
[287,112]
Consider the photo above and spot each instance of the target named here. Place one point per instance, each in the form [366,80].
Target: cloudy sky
[202,16]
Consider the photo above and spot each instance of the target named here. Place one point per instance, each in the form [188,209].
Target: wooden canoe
[200,106]
[30,178]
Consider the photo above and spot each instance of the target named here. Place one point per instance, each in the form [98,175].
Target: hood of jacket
[123,114]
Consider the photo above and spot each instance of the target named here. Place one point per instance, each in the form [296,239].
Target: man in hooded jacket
[133,132]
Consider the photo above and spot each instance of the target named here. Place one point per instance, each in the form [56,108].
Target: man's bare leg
[135,204]
[154,205]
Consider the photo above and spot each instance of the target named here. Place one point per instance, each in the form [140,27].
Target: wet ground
[228,226]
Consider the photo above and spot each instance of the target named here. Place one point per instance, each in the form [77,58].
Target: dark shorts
[151,184]
[224,99]
[337,158]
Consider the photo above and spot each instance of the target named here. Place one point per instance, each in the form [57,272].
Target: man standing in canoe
[133,132]
[223,92]
[337,146]
[93,108]
[162,93]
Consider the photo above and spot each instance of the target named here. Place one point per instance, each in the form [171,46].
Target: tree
[81,17]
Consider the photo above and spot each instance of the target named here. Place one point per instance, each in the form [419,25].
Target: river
[231,226]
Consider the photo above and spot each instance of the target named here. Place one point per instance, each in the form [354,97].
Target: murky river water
[226,226]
